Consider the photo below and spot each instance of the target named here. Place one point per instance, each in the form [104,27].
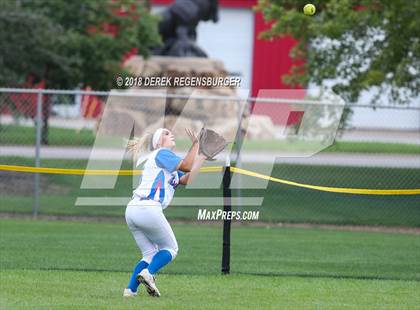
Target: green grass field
[23,135]
[52,264]
[281,202]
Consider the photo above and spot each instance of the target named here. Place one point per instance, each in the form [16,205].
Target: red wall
[270,62]
[271,59]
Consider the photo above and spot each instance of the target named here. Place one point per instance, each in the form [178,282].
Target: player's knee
[173,251]
[147,257]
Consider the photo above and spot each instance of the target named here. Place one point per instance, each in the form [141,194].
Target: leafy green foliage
[360,45]
[72,43]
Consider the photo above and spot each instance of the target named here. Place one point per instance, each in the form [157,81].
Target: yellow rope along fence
[357,191]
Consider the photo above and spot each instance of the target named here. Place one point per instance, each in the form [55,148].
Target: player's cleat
[149,282]
[129,293]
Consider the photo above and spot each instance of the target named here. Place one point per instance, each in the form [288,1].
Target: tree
[358,45]
[67,44]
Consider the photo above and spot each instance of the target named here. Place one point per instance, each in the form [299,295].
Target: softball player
[163,172]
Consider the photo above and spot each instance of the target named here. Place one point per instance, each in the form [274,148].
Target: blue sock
[161,259]
[134,284]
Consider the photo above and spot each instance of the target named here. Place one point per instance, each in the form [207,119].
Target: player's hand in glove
[211,143]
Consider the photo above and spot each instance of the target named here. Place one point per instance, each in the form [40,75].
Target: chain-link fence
[76,130]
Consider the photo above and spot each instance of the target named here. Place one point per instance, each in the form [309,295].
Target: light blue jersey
[160,177]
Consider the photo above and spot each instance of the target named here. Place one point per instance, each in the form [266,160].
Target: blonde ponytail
[139,146]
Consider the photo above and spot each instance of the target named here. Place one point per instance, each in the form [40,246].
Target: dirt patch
[111,219]
[22,184]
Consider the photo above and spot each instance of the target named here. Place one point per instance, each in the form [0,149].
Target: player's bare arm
[190,176]
[187,163]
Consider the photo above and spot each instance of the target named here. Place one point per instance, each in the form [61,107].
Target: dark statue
[178,27]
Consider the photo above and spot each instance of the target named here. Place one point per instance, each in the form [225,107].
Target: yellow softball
[309,9]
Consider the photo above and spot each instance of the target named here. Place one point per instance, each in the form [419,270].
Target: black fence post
[226,223]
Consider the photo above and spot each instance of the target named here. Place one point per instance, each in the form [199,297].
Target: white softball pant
[150,228]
